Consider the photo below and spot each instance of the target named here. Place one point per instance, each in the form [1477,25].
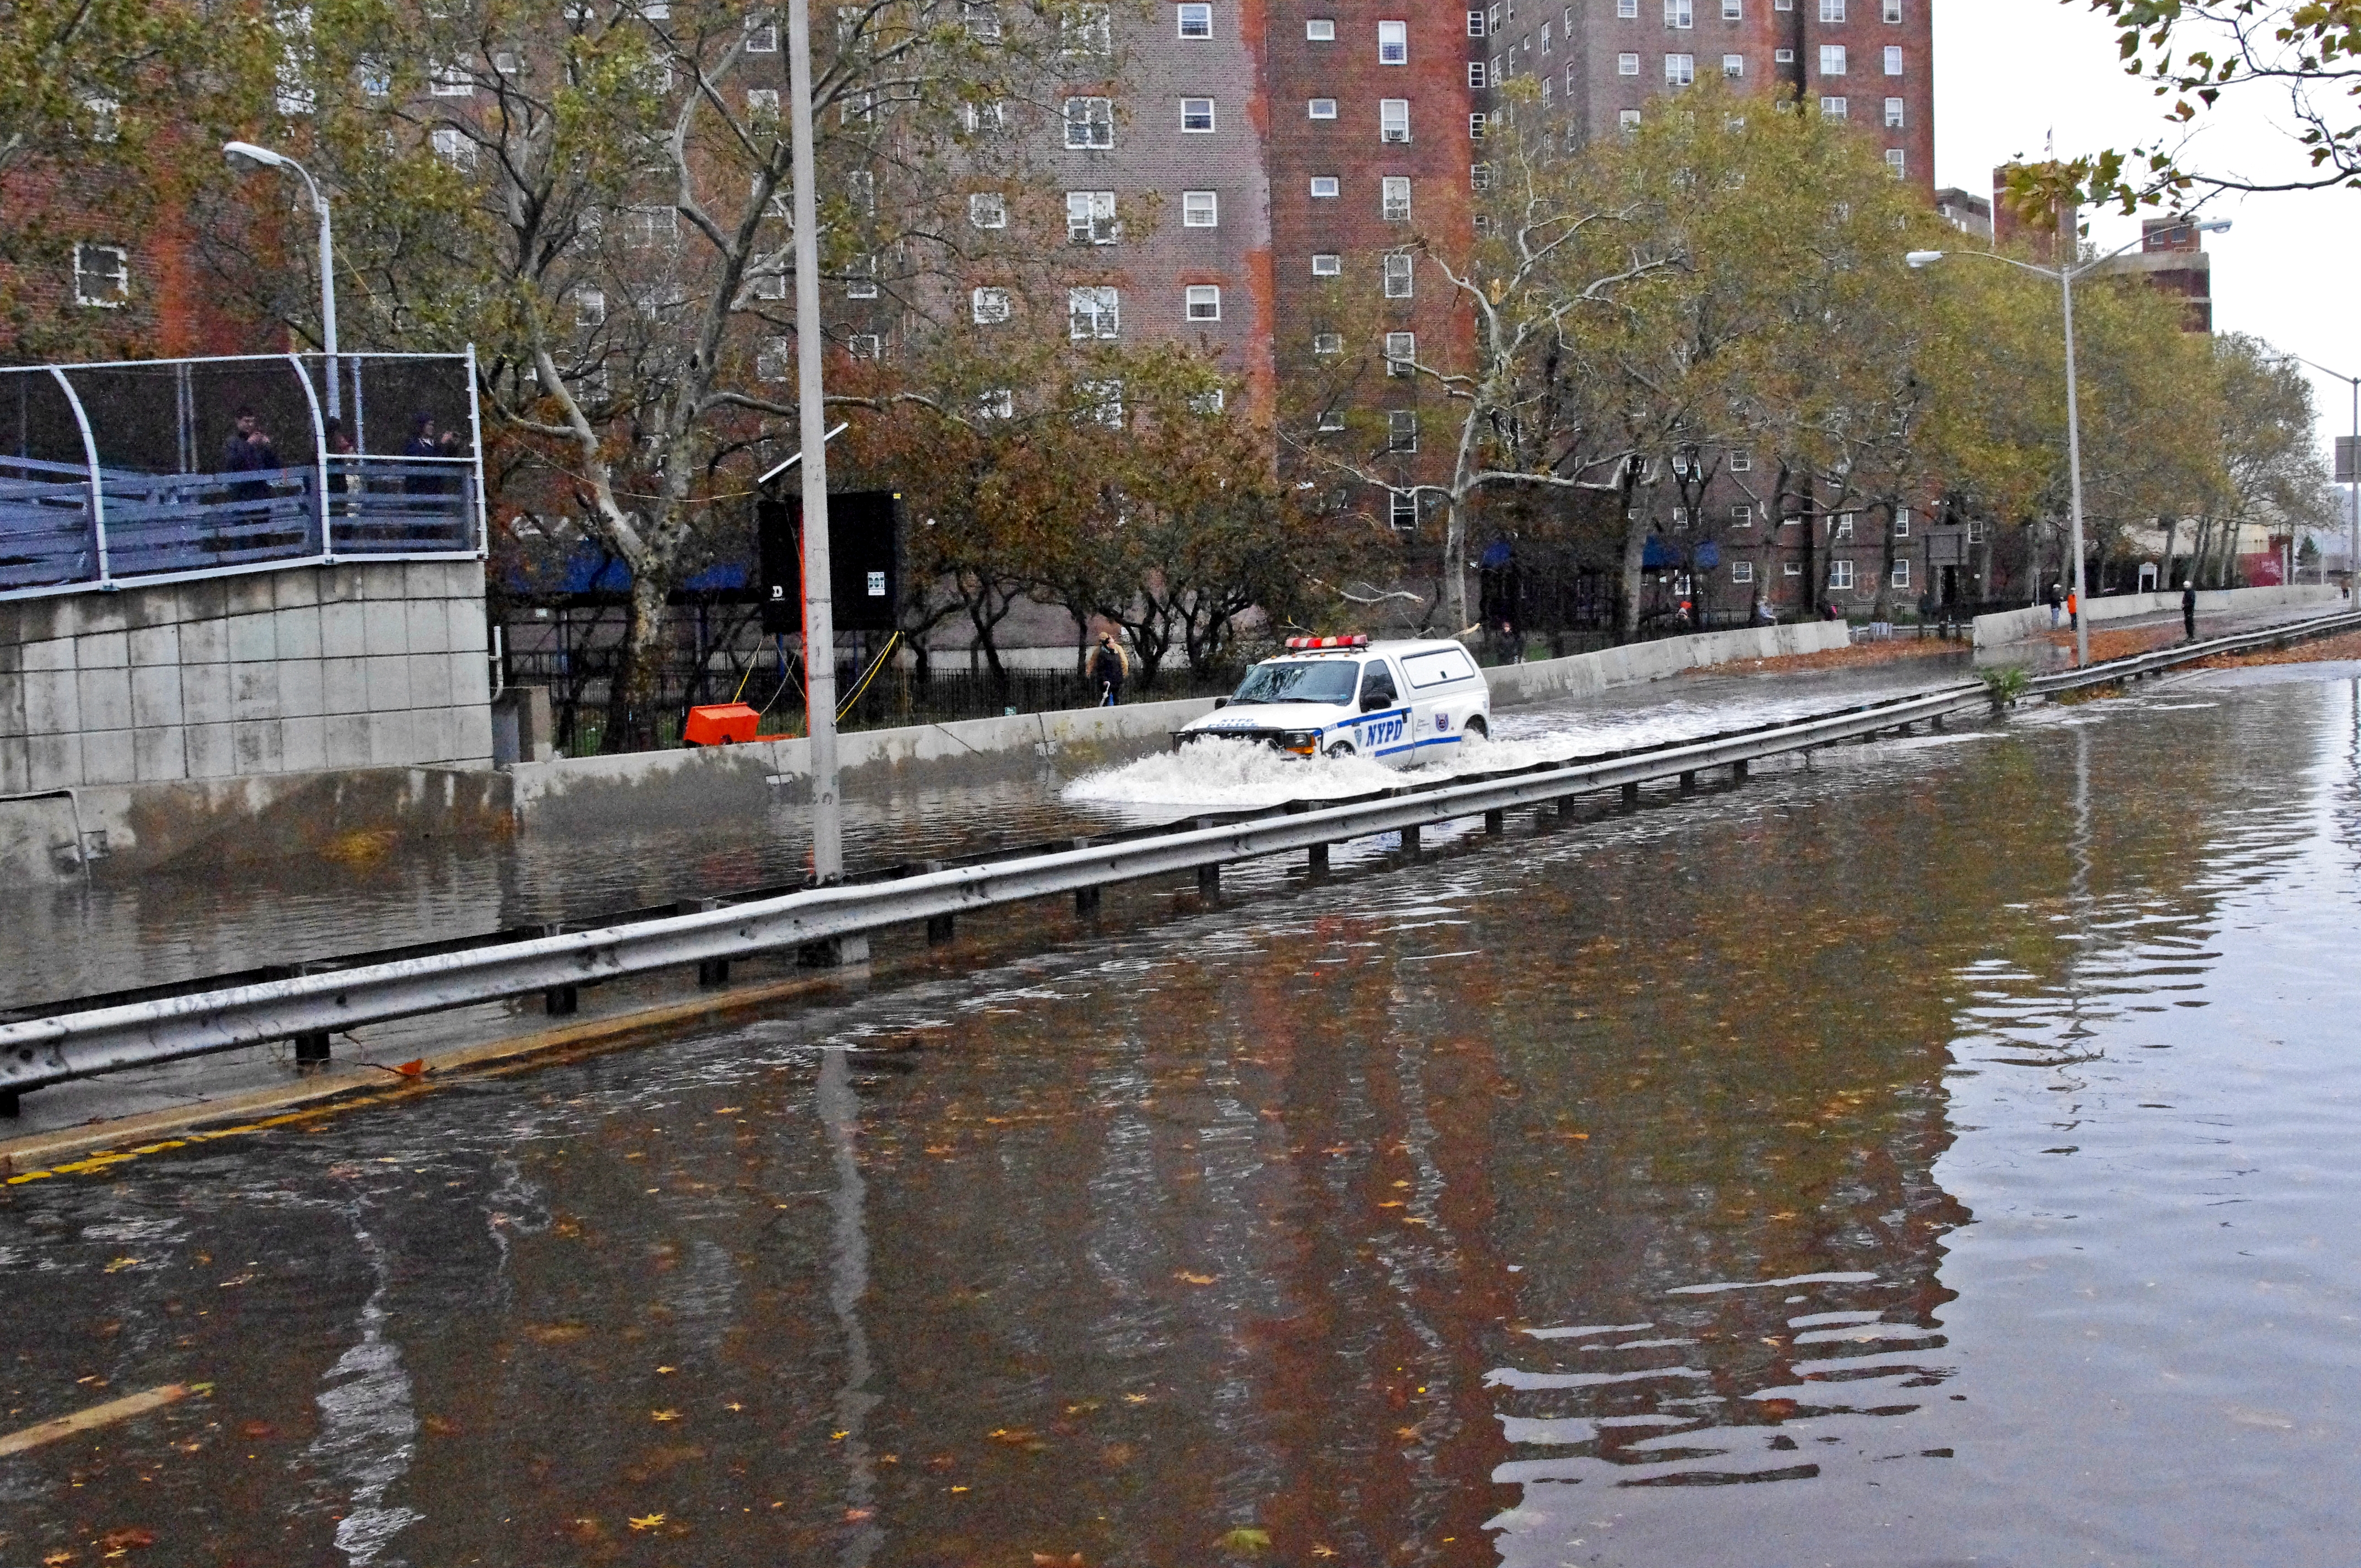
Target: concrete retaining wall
[2018,625]
[363,664]
[1637,662]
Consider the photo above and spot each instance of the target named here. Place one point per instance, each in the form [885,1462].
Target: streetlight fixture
[246,155]
[2064,277]
[2353,467]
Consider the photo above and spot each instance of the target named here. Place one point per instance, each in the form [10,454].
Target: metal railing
[99,1035]
[103,479]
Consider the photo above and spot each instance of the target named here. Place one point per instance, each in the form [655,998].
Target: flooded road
[1946,1154]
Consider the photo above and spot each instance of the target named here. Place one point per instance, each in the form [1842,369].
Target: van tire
[1340,750]
[1476,726]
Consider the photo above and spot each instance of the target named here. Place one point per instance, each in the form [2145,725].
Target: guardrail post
[312,1048]
[1566,808]
[1410,840]
[710,973]
[939,927]
[1689,781]
[12,1105]
[1086,899]
[1737,771]
[1496,823]
[559,1001]
[1315,860]
[1631,797]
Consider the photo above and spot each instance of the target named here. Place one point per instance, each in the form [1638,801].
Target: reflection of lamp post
[246,155]
[2064,277]
[2352,544]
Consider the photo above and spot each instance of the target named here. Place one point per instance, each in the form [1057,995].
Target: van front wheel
[1476,727]
[1340,750]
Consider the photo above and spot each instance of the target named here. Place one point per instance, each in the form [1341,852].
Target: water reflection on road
[1944,1155]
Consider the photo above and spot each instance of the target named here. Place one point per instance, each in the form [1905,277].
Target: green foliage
[2006,684]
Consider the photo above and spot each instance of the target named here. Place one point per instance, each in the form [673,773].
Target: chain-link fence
[180,467]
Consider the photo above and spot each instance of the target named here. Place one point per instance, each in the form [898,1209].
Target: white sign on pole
[2347,460]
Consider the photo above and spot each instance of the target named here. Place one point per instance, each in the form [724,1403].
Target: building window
[1899,162]
[1327,344]
[1545,37]
[1090,30]
[1393,43]
[1090,122]
[1324,186]
[1196,21]
[1792,569]
[1832,10]
[1832,59]
[1975,531]
[1627,65]
[1844,526]
[1197,115]
[860,185]
[1397,275]
[1402,509]
[1204,302]
[1834,108]
[1892,61]
[989,306]
[1783,57]
[589,307]
[860,278]
[1680,70]
[1733,66]
[774,359]
[1733,10]
[1402,353]
[451,146]
[1327,264]
[450,82]
[770,283]
[1090,313]
[1401,430]
[1480,125]
[1479,177]
[1000,402]
[1841,575]
[1207,403]
[1740,462]
[1628,119]
[644,228]
[1393,119]
[1475,24]
[1627,8]
[982,20]
[1200,210]
[1895,113]
[1090,218]
[987,210]
[1893,10]
[1741,516]
[1742,571]
[761,36]
[763,108]
[1323,108]
[1397,198]
[1319,30]
[1106,405]
[1475,77]
[1680,12]
[102,275]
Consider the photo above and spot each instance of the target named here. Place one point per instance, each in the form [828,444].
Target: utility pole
[819,614]
[2348,472]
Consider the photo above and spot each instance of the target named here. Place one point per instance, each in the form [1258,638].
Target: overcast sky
[2009,75]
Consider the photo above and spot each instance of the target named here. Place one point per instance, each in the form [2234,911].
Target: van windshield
[1301,680]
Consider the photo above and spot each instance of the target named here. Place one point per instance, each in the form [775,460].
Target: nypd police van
[1401,703]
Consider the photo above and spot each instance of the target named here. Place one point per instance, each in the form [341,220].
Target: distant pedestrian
[249,450]
[2189,608]
[1108,669]
[237,450]
[2056,605]
[2074,610]
[420,480]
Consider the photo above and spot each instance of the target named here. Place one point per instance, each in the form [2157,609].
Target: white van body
[1401,703]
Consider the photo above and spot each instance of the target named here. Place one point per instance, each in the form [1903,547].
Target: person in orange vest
[2073,611]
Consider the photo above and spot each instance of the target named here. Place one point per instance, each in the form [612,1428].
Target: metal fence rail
[102,1035]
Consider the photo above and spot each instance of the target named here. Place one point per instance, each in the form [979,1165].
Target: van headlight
[1303,742]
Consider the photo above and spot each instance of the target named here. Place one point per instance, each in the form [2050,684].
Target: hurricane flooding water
[1943,1154]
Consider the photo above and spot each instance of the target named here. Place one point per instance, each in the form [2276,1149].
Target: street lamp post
[245,154]
[2352,542]
[2064,277]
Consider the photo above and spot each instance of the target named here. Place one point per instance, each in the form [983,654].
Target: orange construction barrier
[720,724]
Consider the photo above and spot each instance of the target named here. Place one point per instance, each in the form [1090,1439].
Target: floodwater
[1945,1154]
[85,938]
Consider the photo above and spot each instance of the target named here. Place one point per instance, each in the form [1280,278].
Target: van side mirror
[1220,702]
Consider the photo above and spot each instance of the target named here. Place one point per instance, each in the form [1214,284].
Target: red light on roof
[1311,644]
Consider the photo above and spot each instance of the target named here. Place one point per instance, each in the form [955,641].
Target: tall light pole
[246,155]
[2352,470]
[820,612]
[2064,277]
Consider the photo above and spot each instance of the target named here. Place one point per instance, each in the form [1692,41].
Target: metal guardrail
[168,1024]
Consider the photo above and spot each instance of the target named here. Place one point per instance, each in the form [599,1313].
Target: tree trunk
[1884,609]
[1454,567]
[2164,573]
[1635,558]
[1811,520]
[631,695]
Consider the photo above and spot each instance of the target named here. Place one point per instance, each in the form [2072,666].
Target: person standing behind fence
[1108,668]
[340,448]
[2189,608]
[419,481]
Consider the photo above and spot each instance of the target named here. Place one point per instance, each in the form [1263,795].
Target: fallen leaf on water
[1187,1278]
[57,1560]
[1051,1560]
[557,1333]
[855,1516]
[650,1521]
[1395,1204]
[120,1264]
[1244,1540]
[734,1404]
[1324,1551]
[119,1542]
[664,1415]
[662,1370]
[406,1070]
[1135,1399]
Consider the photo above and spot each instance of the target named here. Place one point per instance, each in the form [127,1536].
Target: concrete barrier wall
[1637,662]
[370,663]
[2018,625]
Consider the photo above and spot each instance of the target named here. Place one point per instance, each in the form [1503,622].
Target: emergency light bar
[1304,644]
